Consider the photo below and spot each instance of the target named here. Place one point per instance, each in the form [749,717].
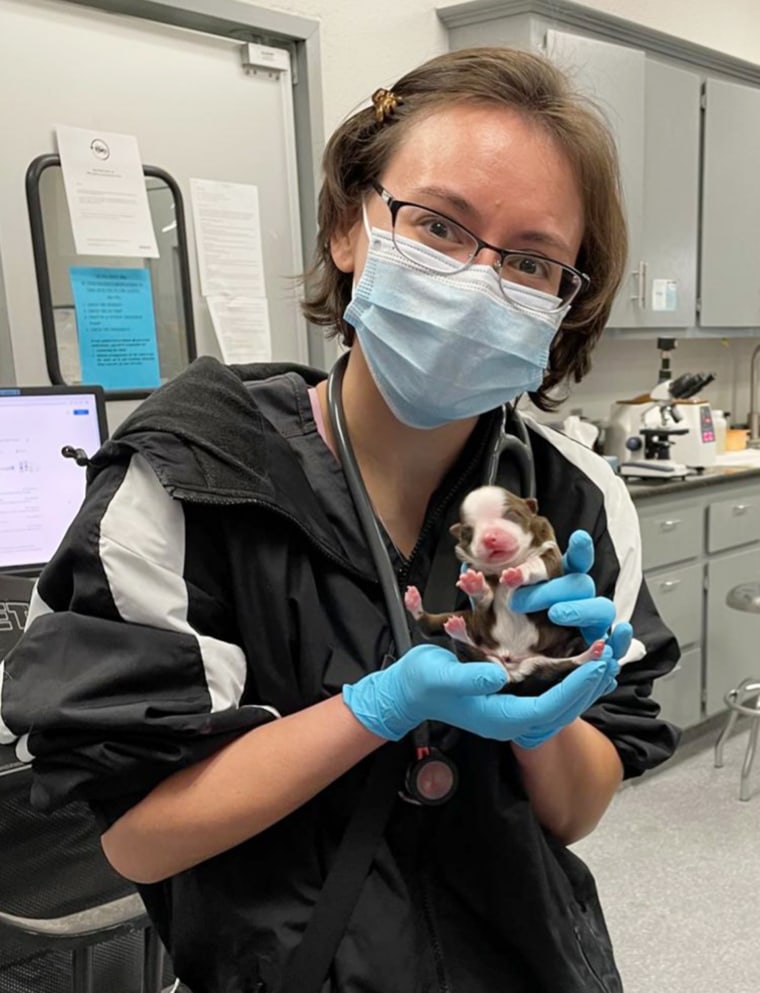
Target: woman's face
[491,169]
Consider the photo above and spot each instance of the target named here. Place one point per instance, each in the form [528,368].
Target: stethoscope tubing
[517,443]
[367,518]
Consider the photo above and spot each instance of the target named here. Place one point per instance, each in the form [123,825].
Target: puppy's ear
[455,529]
[532,504]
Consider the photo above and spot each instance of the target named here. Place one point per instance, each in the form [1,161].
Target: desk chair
[745,596]
[57,890]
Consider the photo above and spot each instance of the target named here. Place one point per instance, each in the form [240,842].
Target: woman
[207,657]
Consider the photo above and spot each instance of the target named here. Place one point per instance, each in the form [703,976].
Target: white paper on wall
[106,194]
[241,325]
[228,238]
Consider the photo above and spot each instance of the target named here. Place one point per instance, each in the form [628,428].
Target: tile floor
[677,863]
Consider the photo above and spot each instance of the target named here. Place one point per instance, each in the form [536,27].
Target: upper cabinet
[730,266]
[670,200]
[689,145]
[653,110]
[613,77]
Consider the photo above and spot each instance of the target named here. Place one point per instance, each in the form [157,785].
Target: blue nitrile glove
[619,641]
[579,689]
[560,705]
[570,599]
[430,683]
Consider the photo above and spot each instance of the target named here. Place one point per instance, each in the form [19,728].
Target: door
[196,112]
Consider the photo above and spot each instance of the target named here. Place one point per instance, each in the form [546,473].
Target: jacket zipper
[403,571]
[435,942]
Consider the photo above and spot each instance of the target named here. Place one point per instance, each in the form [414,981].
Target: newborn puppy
[506,544]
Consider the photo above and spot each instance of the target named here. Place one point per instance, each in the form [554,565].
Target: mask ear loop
[368,232]
[365,222]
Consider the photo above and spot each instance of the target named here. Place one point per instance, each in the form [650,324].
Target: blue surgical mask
[443,347]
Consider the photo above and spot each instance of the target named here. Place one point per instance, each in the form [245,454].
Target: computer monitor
[40,490]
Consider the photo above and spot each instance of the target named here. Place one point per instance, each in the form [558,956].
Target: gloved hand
[578,691]
[571,599]
[569,699]
[430,683]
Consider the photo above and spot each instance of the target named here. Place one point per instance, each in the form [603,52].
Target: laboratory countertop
[729,472]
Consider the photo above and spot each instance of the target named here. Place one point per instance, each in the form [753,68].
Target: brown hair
[361,147]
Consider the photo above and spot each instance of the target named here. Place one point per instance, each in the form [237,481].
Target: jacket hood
[209,410]
[208,442]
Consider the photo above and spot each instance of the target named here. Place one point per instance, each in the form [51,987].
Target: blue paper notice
[116,327]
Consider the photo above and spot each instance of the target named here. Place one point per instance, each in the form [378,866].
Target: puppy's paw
[413,602]
[472,583]
[456,628]
[511,577]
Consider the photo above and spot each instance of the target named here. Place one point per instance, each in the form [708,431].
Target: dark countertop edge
[718,476]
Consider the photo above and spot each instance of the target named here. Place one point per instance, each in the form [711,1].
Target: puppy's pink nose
[492,539]
[496,540]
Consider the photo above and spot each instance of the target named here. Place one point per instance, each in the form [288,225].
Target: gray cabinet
[679,694]
[671,536]
[696,546]
[613,77]
[654,111]
[670,208]
[671,533]
[730,265]
[733,636]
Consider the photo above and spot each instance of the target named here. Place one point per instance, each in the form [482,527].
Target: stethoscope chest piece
[432,779]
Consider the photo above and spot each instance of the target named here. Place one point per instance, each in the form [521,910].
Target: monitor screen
[40,490]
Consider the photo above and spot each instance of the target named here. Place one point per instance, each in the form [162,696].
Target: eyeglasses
[456,243]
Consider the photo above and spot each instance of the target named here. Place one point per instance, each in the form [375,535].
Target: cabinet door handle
[640,275]
[669,584]
[740,508]
[674,671]
[669,525]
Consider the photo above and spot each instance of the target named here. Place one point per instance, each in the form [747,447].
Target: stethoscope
[431,778]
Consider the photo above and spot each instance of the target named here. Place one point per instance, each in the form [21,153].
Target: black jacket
[217,577]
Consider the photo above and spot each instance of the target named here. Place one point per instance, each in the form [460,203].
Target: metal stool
[745,596]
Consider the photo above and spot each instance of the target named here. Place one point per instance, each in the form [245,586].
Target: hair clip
[385,102]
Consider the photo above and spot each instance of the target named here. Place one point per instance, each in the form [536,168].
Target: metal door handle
[740,508]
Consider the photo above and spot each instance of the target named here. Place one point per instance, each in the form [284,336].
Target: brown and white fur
[506,544]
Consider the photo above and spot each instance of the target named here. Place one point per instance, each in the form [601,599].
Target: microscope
[648,444]
[648,430]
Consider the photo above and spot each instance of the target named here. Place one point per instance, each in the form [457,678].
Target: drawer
[678,595]
[671,536]
[679,694]
[733,522]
